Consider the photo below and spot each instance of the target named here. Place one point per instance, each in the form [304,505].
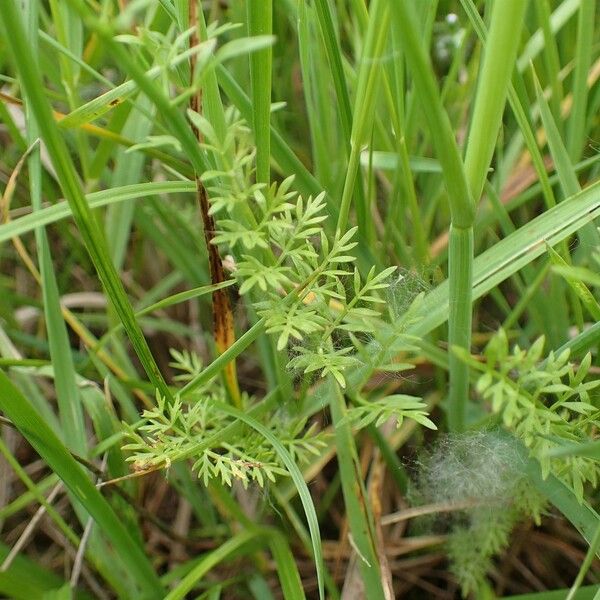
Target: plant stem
[460,275]
[356,500]
[260,22]
[223,322]
[461,206]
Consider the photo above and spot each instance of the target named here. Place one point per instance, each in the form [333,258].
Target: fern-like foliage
[188,364]
[180,430]
[397,406]
[482,474]
[305,286]
[547,403]
[472,547]
[485,533]
[311,296]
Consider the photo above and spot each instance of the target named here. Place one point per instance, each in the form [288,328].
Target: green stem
[461,279]
[260,22]
[442,136]
[356,501]
[492,88]
[587,563]
[364,108]
[349,182]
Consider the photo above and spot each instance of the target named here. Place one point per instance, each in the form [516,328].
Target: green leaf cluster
[174,431]
[547,403]
[472,547]
[305,286]
[479,478]
[398,406]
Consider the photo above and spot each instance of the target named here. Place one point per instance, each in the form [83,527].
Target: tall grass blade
[95,243]
[54,453]
[296,475]
[210,560]
[586,22]
[69,401]
[260,22]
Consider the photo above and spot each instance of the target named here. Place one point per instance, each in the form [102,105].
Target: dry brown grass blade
[375,492]
[5,212]
[87,127]
[29,529]
[223,324]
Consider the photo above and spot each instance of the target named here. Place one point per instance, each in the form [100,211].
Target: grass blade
[291,584]
[583,59]
[582,516]
[296,475]
[62,210]
[69,401]
[54,453]
[260,22]
[95,243]
[211,559]
[360,518]
[492,87]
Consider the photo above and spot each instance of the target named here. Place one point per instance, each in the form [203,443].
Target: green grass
[443,210]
